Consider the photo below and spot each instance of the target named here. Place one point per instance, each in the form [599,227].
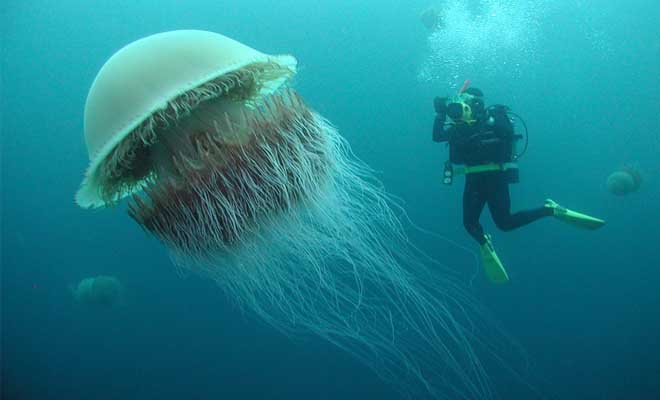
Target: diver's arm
[439,132]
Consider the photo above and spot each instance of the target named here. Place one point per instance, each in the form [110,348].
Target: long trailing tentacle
[298,231]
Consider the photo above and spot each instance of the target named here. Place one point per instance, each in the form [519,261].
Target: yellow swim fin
[492,265]
[573,217]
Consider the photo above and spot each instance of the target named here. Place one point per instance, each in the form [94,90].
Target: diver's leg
[573,217]
[493,267]
[474,200]
[499,204]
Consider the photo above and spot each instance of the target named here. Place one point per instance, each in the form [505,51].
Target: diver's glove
[440,105]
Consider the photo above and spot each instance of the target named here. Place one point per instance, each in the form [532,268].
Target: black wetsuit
[486,141]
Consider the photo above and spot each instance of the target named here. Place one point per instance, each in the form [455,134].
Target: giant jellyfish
[626,180]
[223,162]
[99,291]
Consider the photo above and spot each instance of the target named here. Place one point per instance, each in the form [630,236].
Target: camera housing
[455,111]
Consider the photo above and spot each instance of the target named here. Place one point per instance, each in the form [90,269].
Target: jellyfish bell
[624,181]
[100,291]
[149,85]
[636,175]
[226,165]
[431,19]
[620,183]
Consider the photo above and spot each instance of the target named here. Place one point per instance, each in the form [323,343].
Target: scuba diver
[482,146]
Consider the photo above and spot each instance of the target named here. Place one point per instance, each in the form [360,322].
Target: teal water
[583,305]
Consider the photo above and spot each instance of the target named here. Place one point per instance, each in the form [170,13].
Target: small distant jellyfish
[226,165]
[100,291]
[624,181]
[431,19]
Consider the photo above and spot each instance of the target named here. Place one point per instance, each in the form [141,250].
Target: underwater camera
[458,111]
[464,108]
